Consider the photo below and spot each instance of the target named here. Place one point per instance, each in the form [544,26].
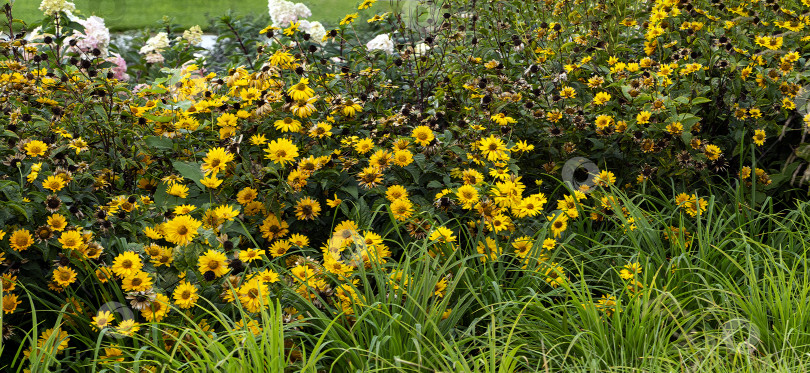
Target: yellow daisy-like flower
[307,209]
[177,190]
[178,210]
[493,148]
[402,209]
[423,135]
[334,202]
[140,281]
[102,320]
[157,310]
[281,151]
[57,222]
[53,183]
[287,125]
[369,177]
[364,146]
[268,276]
[246,195]
[348,19]
[36,148]
[71,240]
[403,157]
[127,264]
[395,192]
[211,182]
[502,120]
[601,98]
[181,230]
[759,137]
[185,295]
[226,212]
[128,327]
[250,255]
[301,91]
[216,160]
[21,239]
[279,248]
[64,276]
[213,261]
[712,152]
[10,303]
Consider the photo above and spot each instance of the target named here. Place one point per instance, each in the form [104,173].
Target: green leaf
[700,100]
[190,170]
[163,143]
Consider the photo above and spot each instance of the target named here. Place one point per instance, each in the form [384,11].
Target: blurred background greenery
[121,15]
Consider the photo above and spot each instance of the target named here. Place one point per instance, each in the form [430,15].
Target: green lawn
[133,14]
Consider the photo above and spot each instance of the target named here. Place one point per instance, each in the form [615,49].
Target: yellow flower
[246,195]
[493,148]
[53,183]
[423,135]
[348,19]
[213,261]
[402,209]
[366,4]
[290,31]
[287,125]
[301,91]
[279,248]
[216,160]
[140,281]
[181,230]
[127,264]
[57,222]
[364,146]
[177,190]
[35,148]
[21,239]
[71,240]
[185,295]
[307,209]
[759,137]
[64,276]
[128,327]
[601,98]
[712,152]
[281,151]
[403,157]
[250,255]
[211,182]
[334,202]
[502,119]
[630,270]
[10,303]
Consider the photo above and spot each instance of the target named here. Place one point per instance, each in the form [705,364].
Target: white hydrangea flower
[156,44]
[284,12]
[382,43]
[302,11]
[49,7]
[317,32]
[193,35]
[96,35]
[420,49]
